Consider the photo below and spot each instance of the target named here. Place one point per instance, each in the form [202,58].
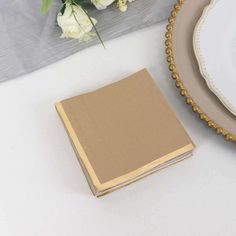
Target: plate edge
[201,60]
[178,82]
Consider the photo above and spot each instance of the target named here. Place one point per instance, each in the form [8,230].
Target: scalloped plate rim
[201,60]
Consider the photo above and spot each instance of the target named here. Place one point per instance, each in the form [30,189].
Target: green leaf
[63,9]
[46,5]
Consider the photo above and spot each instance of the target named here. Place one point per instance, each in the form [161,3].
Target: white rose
[102,4]
[74,22]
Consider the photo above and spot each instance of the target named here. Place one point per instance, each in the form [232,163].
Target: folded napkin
[30,41]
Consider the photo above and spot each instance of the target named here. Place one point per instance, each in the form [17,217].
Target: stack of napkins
[123,132]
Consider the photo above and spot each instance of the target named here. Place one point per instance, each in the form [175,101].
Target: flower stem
[91,21]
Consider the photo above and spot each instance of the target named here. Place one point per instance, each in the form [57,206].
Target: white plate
[214,43]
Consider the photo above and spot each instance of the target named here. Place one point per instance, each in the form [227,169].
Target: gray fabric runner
[30,41]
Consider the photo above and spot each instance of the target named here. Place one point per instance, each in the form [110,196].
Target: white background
[43,191]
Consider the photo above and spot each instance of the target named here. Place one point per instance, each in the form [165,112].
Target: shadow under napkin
[30,41]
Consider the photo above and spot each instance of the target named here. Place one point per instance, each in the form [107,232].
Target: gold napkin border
[101,187]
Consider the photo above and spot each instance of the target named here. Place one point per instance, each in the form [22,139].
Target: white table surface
[43,191]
